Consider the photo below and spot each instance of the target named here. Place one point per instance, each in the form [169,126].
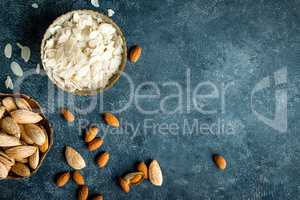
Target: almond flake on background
[95,3]
[110,12]
[8,83]
[35,5]
[8,50]
[38,69]
[25,52]
[16,69]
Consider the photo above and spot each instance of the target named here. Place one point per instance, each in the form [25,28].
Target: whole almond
[134,178]
[9,126]
[78,178]
[3,171]
[20,152]
[62,179]
[7,161]
[95,144]
[83,193]
[2,111]
[111,120]
[35,133]
[135,54]
[34,160]
[22,104]
[67,115]
[24,135]
[155,174]
[9,104]
[102,159]
[219,161]
[21,169]
[26,117]
[124,184]
[142,167]
[98,197]
[8,140]
[74,159]
[44,147]
[90,134]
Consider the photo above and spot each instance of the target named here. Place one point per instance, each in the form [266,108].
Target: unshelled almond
[111,120]
[9,104]
[102,159]
[63,179]
[68,115]
[98,197]
[91,134]
[8,140]
[124,184]
[21,169]
[155,174]
[44,147]
[35,133]
[74,159]
[220,161]
[26,117]
[22,104]
[10,127]
[34,160]
[7,161]
[24,135]
[78,178]
[135,54]
[95,144]
[20,152]
[83,193]
[134,178]
[142,167]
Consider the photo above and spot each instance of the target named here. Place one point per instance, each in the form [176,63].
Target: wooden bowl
[44,122]
[106,19]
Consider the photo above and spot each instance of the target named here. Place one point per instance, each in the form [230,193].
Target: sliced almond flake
[35,5]
[8,83]
[8,50]
[38,69]
[95,3]
[16,69]
[110,12]
[25,52]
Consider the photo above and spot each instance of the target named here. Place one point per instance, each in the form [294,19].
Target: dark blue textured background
[217,40]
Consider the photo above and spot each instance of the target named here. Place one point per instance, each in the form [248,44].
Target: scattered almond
[134,178]
[9,104]
[74,159]
[135,54]
[111,120]
[124,184]
[22,104]
[220,161]
[21,169]
[9,126]
[26,117]
[35,133]
[142,167]
[102,159]
[78,178]
[95,144]
[83,193]
[20,152]
[155,174]
[91,134]
[63,179]
[8,140]
[67,115]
